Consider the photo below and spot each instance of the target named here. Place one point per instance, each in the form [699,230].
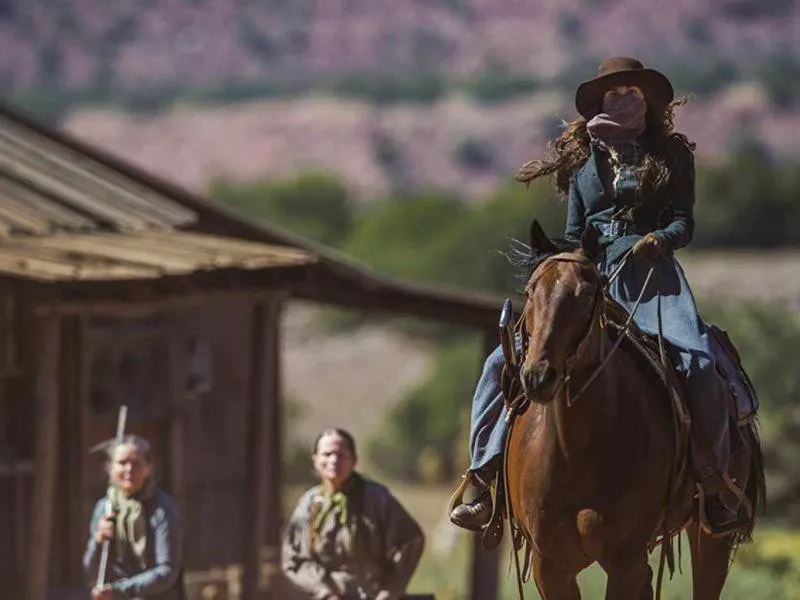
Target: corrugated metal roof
[140,255]
[47,187]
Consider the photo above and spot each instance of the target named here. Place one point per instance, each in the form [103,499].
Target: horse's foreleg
[629,576]
[710,562]
[552,581]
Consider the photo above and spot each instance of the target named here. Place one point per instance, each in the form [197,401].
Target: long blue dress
[593,200]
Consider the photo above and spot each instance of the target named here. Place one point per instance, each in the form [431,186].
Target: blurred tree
[317,206]
[475,153]
[381,89]
[705,79]
[473,253]
[749,201]
[436,238]
[780,75]
[497,83]
[394,236]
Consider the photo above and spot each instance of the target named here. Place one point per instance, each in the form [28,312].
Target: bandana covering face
[623,120]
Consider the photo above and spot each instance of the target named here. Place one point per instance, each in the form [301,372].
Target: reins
[571,400]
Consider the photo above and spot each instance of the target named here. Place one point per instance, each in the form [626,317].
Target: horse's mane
[524,259]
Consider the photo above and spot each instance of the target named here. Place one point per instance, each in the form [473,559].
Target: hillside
[455,143]
[79,44]
[452,94]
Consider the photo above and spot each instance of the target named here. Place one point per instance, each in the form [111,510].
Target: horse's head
[564,291]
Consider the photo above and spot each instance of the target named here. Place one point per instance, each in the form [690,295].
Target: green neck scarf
[130,529]
[340,503]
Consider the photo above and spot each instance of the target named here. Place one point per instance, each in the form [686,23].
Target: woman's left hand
[649,246]
[384,595]
[104,593]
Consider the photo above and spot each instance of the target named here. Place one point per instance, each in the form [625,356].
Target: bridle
[598,316]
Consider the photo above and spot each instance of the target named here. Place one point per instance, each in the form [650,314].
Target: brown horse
[589,478]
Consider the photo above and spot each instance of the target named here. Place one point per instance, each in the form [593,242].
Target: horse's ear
[590,241]
[539,241]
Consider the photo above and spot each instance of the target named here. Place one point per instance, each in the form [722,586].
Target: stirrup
[457,499]
[719,531]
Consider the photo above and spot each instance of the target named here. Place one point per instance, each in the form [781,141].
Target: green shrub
[703,80]
[498,85]
[316,206]
[780,75]
[382,89]
[747,202]
[766,334]
[475,154]
[394,236]
[257,42]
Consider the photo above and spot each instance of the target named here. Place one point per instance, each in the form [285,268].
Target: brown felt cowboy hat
[622,70]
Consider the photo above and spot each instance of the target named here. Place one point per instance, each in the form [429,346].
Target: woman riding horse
[628,174]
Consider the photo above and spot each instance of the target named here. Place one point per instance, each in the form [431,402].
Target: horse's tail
[756,489]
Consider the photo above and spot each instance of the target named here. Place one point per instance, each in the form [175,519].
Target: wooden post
[261,577]
[47,343]
[72,518]
[485,565]
[177,422]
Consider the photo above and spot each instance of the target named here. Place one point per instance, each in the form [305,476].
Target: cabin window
[131,371]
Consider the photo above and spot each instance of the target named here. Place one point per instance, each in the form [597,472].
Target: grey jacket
[162,575]
[333,560]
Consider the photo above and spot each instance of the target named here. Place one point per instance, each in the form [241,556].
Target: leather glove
[649,246]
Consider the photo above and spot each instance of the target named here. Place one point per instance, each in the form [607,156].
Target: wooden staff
[101,574]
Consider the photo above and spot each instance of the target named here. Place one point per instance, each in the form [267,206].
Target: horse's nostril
[539,375]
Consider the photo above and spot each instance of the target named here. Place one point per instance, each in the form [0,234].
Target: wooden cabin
[117,287]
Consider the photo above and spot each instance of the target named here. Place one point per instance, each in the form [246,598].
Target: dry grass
[739,275]
[347,379]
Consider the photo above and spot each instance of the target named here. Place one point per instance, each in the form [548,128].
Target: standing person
[349,538]
[143,527]
[625,171]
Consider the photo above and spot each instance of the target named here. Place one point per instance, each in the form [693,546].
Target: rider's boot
[476,514]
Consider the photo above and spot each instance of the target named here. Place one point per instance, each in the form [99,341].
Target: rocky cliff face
[82,43]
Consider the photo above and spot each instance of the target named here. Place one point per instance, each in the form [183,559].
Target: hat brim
[655,87]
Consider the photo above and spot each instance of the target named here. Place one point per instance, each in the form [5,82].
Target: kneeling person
[349,538]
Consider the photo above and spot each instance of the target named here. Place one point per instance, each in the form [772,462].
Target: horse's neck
[578,418]
[575,429]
